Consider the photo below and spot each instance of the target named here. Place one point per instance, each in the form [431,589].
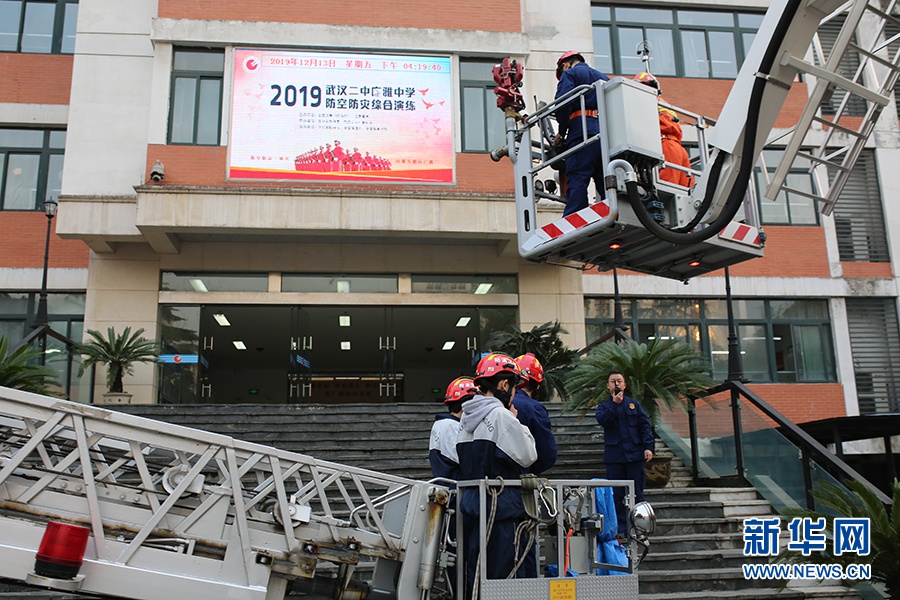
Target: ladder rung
[846,130]
[883,61]
[887,17]
[823,161]
[835,80]
[810,195]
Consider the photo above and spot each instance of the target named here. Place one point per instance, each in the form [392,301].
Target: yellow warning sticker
[562,589]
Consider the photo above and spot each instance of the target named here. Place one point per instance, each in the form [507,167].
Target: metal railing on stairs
[731,434]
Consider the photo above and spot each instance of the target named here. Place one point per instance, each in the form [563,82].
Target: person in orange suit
[670,130]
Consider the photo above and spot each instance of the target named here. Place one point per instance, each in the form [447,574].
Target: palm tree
[857,502]
[19,369]
[545,343]
[662,371]
[117,352]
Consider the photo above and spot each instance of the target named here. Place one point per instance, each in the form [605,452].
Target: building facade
[194,150]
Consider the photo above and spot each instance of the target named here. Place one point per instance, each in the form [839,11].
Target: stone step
[709,508]
[728,558]
[820,592]
[660,544]
[725,495]
[709,581]
[690,525]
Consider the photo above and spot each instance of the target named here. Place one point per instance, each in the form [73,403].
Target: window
[780,340]
[875,344]
[31,162]
[891,32]
[195,115]
[790,207]
[342,284]
[858,215]
[686,43]
[465,284]
[483,128]
[213,282]
[38,27]
[65,314]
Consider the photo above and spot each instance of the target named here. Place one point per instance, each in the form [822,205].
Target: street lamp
[50,207]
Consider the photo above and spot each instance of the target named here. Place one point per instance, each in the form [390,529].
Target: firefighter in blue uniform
[583,165]
[532,414]
[492,443]
[627,442]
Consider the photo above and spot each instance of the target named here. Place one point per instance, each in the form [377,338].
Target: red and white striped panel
[573,222]
[742,233]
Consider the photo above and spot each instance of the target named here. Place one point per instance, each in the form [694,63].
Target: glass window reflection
[784,340]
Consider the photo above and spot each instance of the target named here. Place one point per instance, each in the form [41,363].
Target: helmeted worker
[532,414]
[445,431]
[585,164]
[492,443]
[670,130]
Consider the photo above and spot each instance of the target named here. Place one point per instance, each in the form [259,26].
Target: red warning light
[694,263]
[61,551]
[615,245]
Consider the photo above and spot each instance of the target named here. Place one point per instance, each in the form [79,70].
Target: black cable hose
[736,197]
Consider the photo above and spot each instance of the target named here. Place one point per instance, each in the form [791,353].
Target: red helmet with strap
[496,363]
[647,79]
[566,56]
[531,368]
[461,388]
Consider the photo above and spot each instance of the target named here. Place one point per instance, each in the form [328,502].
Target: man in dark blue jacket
[583,165]
[532,414]
[628,442]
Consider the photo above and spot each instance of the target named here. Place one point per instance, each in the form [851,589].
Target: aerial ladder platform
[175,512]
[166,511]
[651,226]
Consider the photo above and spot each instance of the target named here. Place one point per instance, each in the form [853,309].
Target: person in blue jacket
[585,164]
[627,444]
[532,414]
[445,431]
[493,444]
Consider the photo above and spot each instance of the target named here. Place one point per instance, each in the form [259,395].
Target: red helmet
[496,363]
[461,388]
[531,368]
[647,79]
[566,56]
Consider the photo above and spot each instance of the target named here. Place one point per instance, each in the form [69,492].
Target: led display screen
[339,117]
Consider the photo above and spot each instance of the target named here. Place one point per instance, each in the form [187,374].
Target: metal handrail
[810,448]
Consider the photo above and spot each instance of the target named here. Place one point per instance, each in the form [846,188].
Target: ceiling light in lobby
[344,320]
[198,284]
[483,288]
[221,320]
[463,321]
[239,345]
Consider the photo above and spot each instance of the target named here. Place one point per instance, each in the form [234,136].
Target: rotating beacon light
[60,556]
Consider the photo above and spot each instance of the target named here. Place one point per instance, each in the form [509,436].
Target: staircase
[697,546]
